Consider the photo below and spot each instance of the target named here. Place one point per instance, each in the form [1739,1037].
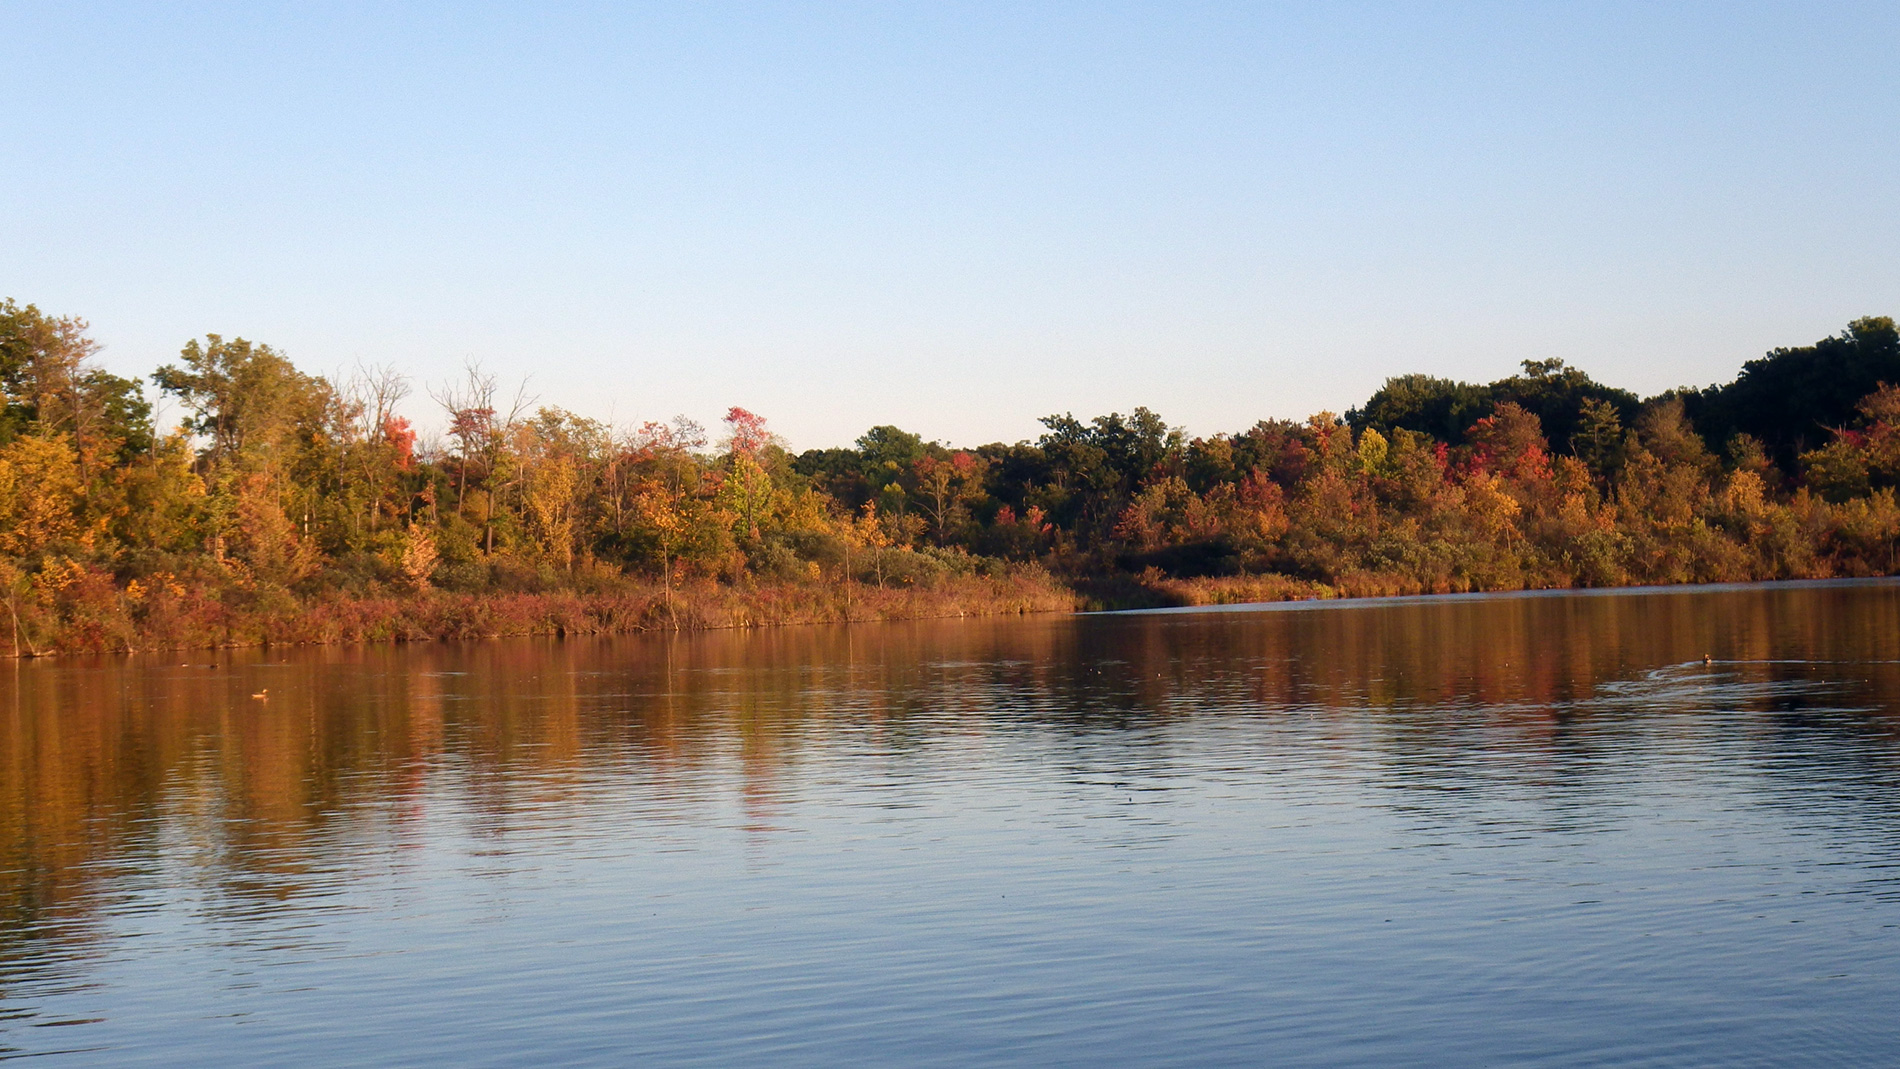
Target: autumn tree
[944,485]
[40,494]
[748,485]
[50,386]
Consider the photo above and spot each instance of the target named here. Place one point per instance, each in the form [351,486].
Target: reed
[92,614]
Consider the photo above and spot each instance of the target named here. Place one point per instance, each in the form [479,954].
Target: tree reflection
[113,769]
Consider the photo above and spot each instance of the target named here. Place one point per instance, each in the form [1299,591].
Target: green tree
[1598,441]
[1791,399]
[247,400]
[1439,407]
[888,458]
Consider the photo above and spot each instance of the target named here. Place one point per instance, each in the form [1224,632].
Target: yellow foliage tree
[40,491]
[418,555]
[551,509]
[264,538]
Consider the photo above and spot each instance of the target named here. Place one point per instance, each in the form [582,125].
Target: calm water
[1514,830]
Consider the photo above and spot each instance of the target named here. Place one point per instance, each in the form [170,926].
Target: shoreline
[1367,601]
[197,622]
[111,621]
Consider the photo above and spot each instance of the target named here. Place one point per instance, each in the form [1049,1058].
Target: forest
[287,507]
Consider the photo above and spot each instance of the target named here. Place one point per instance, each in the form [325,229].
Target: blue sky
[956,217]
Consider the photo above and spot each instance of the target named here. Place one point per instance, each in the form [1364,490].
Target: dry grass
[98,617]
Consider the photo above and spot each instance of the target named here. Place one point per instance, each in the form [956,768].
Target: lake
[1534,830]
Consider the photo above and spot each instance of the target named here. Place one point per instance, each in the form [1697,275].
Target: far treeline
[290,507]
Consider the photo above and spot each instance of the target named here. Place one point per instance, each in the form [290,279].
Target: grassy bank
[91,614]
[1154,591]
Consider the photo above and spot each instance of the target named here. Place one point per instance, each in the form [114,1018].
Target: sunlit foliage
[279,491]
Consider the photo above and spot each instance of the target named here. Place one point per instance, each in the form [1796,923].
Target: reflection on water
[1538,830]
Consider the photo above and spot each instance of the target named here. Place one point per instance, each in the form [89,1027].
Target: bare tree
[366,422]
[371,394]
[480,430]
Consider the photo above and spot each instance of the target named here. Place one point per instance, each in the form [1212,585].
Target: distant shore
[289,508]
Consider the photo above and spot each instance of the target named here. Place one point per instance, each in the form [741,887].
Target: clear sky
[956,217]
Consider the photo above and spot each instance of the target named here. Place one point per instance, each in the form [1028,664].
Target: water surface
[1500,830]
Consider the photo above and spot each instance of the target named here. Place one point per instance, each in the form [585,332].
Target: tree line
[280,488]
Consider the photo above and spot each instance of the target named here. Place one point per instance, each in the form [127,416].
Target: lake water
[1513,830]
